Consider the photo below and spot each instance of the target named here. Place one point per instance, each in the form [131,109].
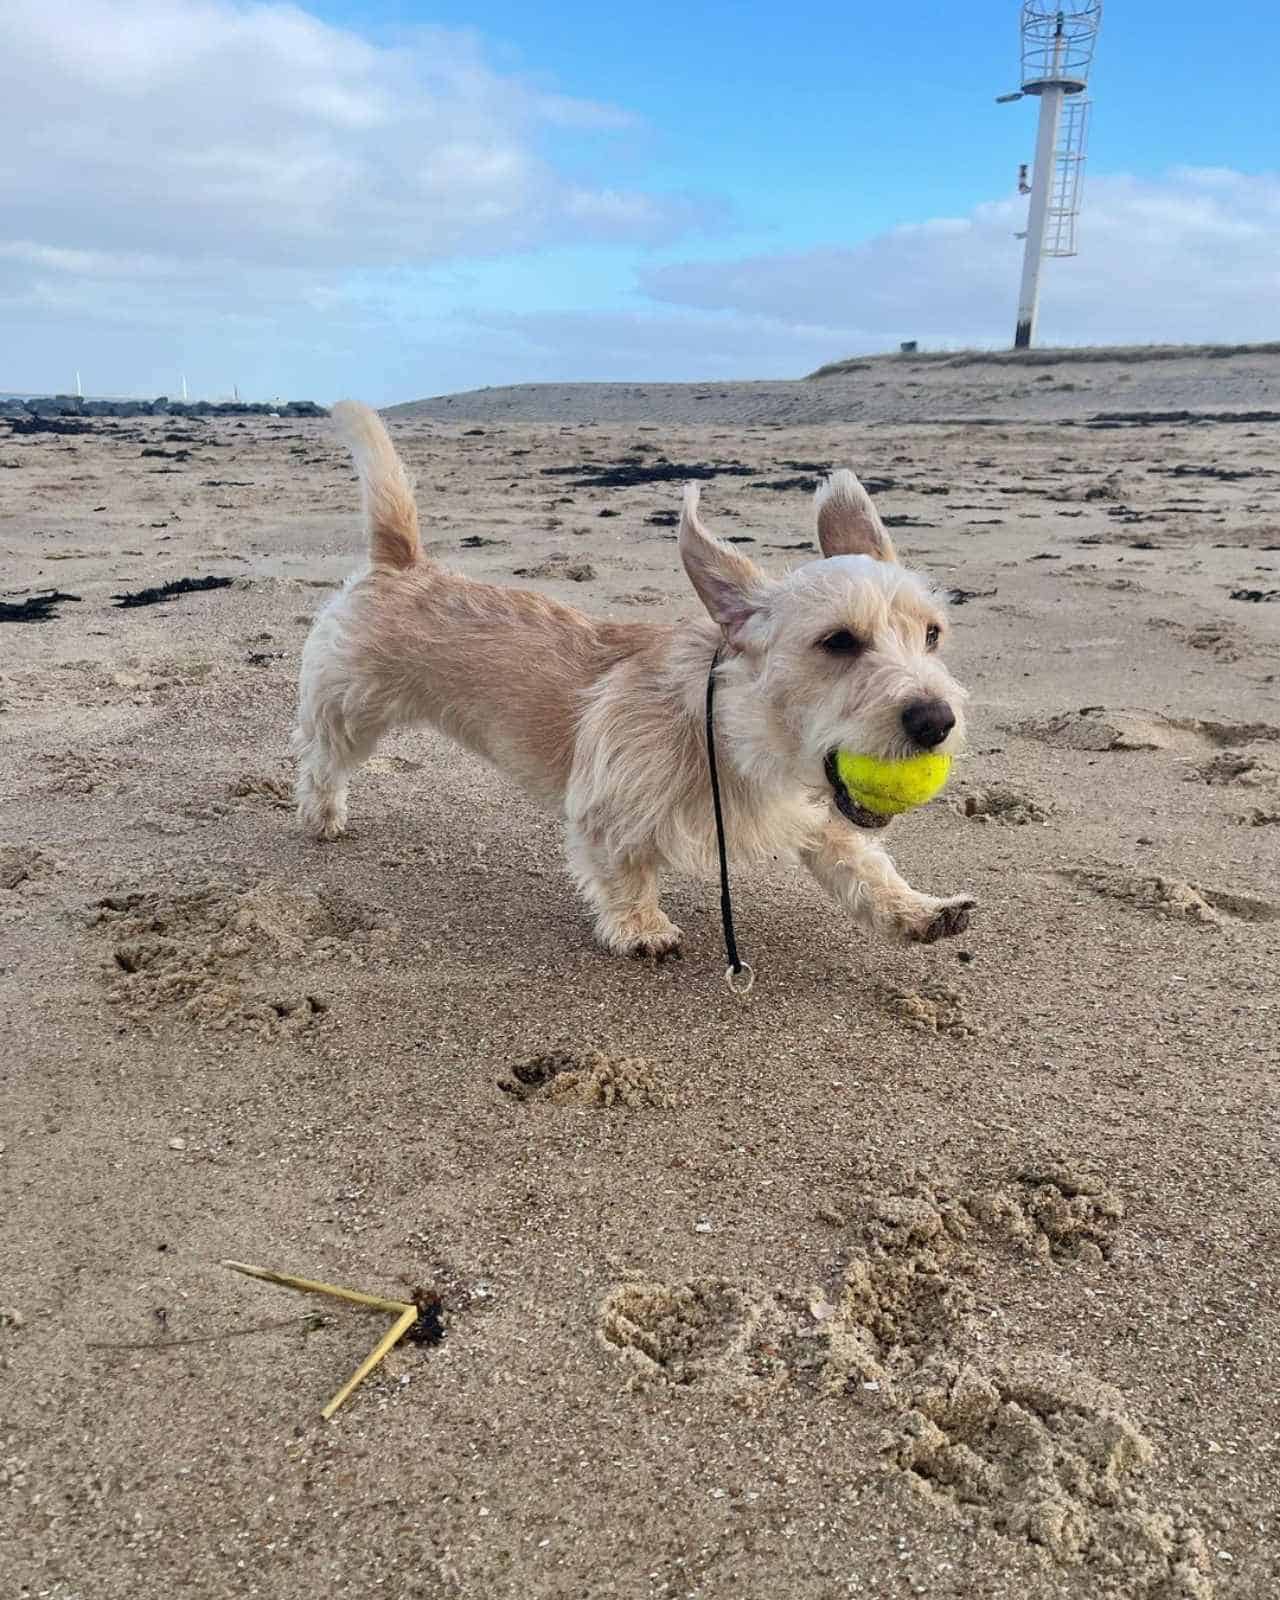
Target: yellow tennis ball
[891,787]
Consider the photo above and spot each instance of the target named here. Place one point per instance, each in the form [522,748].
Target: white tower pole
[1037,214]
[1057,50]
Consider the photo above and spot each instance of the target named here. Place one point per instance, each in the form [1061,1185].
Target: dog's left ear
[732,588]
[848,522]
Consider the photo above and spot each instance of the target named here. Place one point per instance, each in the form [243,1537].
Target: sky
[393,200]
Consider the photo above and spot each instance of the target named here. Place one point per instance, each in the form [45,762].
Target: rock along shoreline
[73,405]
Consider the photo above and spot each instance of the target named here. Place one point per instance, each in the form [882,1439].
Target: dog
[605,722]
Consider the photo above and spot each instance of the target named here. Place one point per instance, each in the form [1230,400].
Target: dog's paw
[642,934]
[324,823]
[659,950]
[940,919]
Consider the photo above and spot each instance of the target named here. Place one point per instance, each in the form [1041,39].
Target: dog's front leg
[856,870]
[624,895]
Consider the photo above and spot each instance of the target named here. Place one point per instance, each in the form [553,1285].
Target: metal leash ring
[734,977]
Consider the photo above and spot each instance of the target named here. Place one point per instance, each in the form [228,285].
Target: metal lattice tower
[1057,52]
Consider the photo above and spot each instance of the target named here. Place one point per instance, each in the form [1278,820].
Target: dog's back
[502,670]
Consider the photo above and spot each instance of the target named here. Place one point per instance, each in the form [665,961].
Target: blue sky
[842,120]
[398,199]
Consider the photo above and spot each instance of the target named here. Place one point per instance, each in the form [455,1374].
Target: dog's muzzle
[846,805]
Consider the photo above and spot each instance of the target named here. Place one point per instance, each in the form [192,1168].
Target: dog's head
[843,653]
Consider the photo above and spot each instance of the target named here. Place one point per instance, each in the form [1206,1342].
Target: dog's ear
[731,587]
[848,522]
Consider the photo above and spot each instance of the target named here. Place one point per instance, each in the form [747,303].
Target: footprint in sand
[1002,805]
[228,958]
[1057,1210]
[23,864]
[1022,1442]
[1095,728]
[264,788]
[565,1078]
[72,773]
[708,1332]
[935,1009]
[1214,640]
[1047,1455]
[1239,767]
[1172,898]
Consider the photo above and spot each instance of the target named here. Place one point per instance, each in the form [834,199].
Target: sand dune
[894,389]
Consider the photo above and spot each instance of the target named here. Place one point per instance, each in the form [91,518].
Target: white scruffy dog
[605,722]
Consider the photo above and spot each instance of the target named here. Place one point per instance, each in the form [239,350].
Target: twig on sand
[406,1315]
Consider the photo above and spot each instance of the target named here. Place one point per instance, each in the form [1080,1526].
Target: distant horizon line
[942,354]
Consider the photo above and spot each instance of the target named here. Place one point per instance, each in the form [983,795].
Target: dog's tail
[389,507]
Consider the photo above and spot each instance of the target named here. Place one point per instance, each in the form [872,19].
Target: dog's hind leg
[338,730]
[624,896]
[349,694]
[326,761]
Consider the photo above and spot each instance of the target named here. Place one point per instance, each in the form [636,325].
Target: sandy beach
[947,1271]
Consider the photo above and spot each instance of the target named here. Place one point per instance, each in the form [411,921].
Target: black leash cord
[740,976]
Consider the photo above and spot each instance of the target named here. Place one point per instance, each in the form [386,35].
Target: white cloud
[87,263]
[1192,256]
[202,130]
[213,185]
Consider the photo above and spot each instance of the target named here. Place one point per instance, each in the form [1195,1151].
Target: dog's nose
[928,722]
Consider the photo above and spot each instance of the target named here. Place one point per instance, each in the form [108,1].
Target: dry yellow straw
[406,1316]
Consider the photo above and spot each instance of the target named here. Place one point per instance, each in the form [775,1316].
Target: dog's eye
[841,643]
[931,636]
